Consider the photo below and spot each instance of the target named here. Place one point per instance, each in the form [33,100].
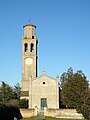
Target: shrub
[9,112]
[23,103]
[85,111]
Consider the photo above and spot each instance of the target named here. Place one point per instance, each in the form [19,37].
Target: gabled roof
[44,75]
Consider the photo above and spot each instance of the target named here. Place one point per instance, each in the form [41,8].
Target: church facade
[41,91]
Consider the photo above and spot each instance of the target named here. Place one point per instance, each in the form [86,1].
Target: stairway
[40,115]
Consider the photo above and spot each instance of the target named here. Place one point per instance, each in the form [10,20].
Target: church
[41,91]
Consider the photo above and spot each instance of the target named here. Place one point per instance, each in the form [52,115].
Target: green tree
[17,90]
[6,93]
[89,97]
[74,91]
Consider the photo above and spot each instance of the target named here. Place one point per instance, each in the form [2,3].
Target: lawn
[47,118]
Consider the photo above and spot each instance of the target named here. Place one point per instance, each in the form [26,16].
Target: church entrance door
[43,103]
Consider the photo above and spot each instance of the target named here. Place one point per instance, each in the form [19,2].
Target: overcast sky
[63,32]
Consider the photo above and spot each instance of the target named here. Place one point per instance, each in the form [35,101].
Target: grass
[48,118]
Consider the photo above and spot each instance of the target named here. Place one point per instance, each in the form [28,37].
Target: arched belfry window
[32,47]
[25,47]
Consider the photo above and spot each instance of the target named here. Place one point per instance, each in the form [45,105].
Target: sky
[63,33]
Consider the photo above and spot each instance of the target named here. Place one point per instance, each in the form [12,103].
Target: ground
[48,118]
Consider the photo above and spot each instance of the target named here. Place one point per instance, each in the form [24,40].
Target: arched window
[32,47]
[25,47]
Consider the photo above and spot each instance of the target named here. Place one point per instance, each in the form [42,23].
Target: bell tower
[29,56]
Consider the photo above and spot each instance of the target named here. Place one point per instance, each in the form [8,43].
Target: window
[25,47]
[32,47]
[32,37]
[44,83]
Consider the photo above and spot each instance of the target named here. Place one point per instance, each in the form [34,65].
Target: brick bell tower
[29,58]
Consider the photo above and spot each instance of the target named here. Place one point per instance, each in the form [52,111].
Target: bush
[9,112]
[13,102]
[85,111]
[23,103]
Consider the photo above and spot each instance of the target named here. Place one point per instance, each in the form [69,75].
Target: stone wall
[63,113]
[26,113]
[50,112]
[58,113]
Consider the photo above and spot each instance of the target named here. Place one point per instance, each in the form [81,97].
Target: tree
[17,90]
[89,97]
[6,93]
[74,91]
